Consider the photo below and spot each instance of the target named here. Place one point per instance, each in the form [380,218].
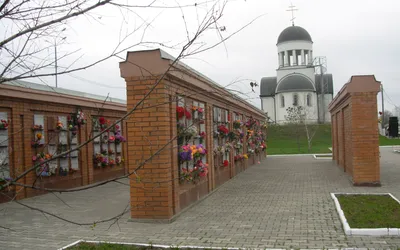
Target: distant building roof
[165,55]
[295,83]
[268,85]
[41,87]
[294,33]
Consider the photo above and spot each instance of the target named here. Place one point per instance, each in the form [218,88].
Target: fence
[193,134]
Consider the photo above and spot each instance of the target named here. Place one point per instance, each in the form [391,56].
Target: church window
[282,101]
[295,100]
[309,100]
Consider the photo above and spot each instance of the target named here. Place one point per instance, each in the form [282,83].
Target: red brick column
[149,129]
[86,159]
[355,135]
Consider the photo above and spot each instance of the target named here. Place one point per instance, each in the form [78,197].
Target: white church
[296,82]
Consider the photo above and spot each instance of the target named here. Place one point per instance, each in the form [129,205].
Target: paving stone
[283,202]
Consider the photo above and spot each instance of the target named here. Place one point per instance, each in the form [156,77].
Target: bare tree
[299,121]
[387,114]
[36,20]
[396,111]
[27,25]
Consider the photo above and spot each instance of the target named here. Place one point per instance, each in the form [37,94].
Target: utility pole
[55,53]
[320,64]
[383,109]
[322,91]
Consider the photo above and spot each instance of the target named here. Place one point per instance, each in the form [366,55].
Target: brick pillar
[355,132]
[88,170]
[29,151]
[210,146]
[149,129]
[365,139]
[20,162]
[86,153]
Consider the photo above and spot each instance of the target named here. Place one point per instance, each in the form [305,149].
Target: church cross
[292,9]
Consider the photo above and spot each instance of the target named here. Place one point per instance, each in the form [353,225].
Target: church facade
[296,82]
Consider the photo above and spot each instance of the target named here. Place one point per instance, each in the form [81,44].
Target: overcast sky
[357,37]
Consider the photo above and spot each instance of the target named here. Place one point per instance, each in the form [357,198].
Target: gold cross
[292,9]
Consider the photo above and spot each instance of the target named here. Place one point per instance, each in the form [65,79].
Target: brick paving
[284,202]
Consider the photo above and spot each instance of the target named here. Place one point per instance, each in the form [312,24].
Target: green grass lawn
[384,141]
[370,211]
[281,140]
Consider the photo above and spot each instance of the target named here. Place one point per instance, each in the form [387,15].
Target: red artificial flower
[223,129]
[226,163]
[188,114]
[180,112]
[102,120]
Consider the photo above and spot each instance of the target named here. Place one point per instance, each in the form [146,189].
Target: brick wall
[21,104]
[157,189]
[355,134]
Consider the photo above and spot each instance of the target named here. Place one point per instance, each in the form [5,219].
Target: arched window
[282,101]
[295,100]
[309,100]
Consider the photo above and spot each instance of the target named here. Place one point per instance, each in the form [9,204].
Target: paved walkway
[284,202]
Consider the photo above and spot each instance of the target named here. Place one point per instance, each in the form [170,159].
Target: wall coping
[356,84]
[30,91]
[153,63]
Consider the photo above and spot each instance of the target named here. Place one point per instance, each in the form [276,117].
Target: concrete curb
[363,231]
[290,155]
[191,247]
[323,158]
[159,246]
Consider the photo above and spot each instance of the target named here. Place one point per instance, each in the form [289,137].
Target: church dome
[295,83]
[294,33]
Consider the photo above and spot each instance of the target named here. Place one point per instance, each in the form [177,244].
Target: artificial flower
[226,163]
[180,111]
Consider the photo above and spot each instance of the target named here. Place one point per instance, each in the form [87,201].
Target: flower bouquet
[226,163]
[37,127]
[185,153]
[118,160]
[73,129]
[198,151]
[199,171]
[111,162]
[37,142]
[237,124]
[59,125]
[3,124]
[180,112]
[223,130]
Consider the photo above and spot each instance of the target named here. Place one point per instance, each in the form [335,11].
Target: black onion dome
[294,33]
